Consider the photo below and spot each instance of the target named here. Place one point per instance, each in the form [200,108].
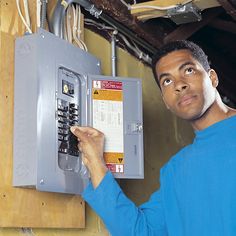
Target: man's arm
[120,215]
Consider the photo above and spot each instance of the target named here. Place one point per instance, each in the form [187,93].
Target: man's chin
[190,117]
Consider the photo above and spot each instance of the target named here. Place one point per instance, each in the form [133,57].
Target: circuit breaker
[57,86]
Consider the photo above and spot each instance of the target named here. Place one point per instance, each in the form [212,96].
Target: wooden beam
[186,30]
[144,14]
[145,7]
[229,8]
[223,25]
[118,11]
[233,2]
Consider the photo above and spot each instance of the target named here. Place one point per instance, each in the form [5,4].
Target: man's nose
[181,85]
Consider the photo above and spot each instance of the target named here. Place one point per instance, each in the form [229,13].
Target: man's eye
[189,71]
[167,82]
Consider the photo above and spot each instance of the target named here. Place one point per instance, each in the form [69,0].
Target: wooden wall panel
[25,207]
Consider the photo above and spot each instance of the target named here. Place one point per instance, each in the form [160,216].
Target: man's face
[187,89]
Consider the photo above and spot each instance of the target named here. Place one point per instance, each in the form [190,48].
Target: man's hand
[91,144]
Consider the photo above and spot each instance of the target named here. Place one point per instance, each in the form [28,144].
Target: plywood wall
[25,207]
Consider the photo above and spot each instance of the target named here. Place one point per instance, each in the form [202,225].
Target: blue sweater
[197,196]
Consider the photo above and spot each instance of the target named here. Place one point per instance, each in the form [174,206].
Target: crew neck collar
[212,130]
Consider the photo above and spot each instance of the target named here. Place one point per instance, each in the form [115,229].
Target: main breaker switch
[68,88]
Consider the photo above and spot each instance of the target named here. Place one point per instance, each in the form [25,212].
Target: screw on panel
[42,35]
[98,64]
[139,127]
[41,181]
[56,115]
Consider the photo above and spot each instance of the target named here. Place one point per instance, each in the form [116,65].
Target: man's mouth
[186,100]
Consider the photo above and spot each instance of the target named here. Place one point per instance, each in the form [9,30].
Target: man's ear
[214,78]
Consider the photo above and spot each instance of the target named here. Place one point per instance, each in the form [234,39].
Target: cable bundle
[72,26]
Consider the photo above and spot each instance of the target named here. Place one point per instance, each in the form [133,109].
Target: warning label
[114,168]
[112,157]
[114,162]
[108,117]
[111,95]
[106,84]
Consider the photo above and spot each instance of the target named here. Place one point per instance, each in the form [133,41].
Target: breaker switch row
[67,115]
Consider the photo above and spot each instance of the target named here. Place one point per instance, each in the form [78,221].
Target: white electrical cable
[65,30]
[125,3]
[76,28]
[140,54]
[152,7]
[133,7]
[38,12]
[72,30]
[98,25]
[22,17]
[26,9]
[68,24]
[136,50]
[78,15]
[78,10]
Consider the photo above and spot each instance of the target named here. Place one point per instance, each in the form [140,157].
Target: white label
[108,118]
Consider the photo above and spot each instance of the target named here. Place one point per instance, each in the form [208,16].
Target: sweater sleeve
[120,215]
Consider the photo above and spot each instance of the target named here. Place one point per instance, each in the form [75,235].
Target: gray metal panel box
[51,94]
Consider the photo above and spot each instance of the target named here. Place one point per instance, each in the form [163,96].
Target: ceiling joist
[223,25]
[144,11]
[229,8]
[121,13]
[149,10]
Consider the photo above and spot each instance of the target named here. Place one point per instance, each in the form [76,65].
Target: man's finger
[78,132]
[89,131]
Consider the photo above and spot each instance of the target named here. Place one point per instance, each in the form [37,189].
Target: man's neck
[217,112]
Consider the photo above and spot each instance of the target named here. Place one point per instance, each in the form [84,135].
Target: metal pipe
[43,13]
[57,22]
[128,33]
[113,53]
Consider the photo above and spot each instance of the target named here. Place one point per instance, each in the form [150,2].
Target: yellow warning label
[114,157]
[104,94]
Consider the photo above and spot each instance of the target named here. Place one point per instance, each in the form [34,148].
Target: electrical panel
[58,85]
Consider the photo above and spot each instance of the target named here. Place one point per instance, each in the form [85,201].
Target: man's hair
[193,48]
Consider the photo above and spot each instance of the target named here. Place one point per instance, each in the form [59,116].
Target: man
[197,195]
